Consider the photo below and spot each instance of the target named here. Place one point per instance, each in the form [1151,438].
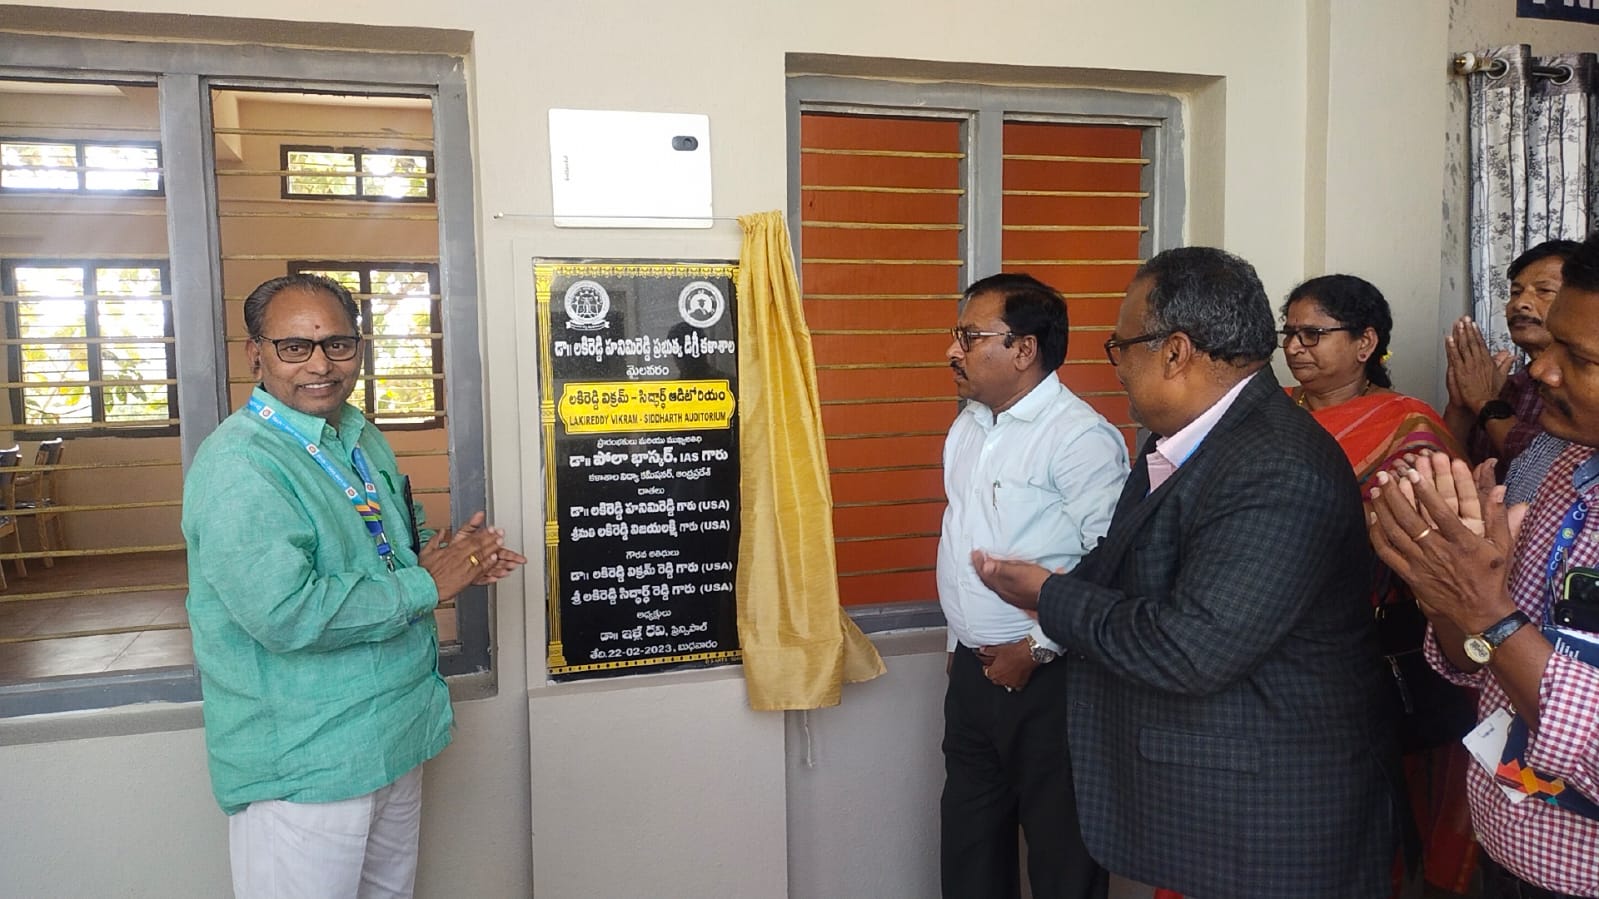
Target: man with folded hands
[1510,597]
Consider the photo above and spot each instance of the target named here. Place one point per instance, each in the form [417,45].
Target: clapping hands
[473,555]
[1446,531]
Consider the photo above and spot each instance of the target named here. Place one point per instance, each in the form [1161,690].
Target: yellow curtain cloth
[799,646]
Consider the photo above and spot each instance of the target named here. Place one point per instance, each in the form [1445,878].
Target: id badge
[1486,743]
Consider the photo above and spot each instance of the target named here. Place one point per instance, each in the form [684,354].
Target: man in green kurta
[312,586]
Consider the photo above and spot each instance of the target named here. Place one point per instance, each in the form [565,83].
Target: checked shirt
[1542,844]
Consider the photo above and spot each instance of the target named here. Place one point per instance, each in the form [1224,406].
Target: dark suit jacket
[1229,722]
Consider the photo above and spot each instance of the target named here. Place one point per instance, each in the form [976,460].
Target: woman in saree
[1335,337]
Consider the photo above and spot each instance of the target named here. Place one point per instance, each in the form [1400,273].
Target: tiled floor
[59,654]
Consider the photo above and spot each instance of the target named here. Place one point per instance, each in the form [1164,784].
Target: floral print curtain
[1531,152]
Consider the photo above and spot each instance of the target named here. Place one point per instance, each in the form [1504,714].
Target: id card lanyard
[367,505]
[1565,537]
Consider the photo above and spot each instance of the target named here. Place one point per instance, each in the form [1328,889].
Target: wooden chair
[36,492]
[9,458]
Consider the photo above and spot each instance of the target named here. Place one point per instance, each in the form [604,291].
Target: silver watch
[1043,655]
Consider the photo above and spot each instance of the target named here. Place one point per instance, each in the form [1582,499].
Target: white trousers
[361,848]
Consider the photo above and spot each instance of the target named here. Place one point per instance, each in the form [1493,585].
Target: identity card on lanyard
[366,504]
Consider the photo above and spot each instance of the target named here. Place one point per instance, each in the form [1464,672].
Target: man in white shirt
[1031,472]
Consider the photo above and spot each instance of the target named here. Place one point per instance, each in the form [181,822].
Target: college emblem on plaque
[701,304]
[587,304]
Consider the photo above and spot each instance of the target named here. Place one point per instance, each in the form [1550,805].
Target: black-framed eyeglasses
[338,348]
[965,336]
[1309,337]
[1113,346]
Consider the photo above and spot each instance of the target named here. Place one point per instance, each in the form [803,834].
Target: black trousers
[1499,883]
[1006,765]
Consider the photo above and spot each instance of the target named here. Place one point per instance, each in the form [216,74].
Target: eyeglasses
[1113,346]
[338,348]
[1309,337]
[965,336]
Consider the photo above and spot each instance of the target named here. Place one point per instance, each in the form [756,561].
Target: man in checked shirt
[1486,576]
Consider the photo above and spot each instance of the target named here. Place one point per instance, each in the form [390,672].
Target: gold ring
[1424,532]
[472,558]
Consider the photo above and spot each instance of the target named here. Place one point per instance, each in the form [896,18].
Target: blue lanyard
[368,507]
[1571,524]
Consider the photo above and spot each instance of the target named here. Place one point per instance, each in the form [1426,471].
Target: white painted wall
[667,784]
[661,798]
[863,786]
[1386,89]
[123,815]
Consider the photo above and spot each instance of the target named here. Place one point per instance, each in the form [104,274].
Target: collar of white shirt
[1030,406]
[1171,452]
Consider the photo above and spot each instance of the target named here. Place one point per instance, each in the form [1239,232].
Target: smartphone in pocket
[1578,605]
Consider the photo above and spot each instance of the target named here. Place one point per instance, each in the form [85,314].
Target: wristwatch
[1480,647]
[1494,409]
[1043,655]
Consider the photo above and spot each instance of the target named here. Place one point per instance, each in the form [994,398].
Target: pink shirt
[1171,452]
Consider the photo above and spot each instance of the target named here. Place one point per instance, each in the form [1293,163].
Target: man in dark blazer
[1228,721]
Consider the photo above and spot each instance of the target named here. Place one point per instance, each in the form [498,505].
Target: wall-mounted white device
[612,169]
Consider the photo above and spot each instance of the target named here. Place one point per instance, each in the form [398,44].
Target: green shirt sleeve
[283,575]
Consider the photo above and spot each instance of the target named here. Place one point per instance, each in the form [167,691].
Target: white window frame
[434,417]
[98,425]
[356,174]
[83,169]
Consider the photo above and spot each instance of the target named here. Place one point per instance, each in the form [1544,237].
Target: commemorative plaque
[639,386]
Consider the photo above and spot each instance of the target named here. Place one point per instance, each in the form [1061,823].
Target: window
[80,166]
[123,317]
[92,343]
[902,196]
[357,174]
[387,254]
[402,361]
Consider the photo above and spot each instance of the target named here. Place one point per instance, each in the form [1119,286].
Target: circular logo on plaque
[701,304]
[587,304]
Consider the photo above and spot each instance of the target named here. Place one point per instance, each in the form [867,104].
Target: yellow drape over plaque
[799,646]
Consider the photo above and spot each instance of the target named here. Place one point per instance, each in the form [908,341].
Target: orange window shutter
[883,240]
[881,201]
[1073,218]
